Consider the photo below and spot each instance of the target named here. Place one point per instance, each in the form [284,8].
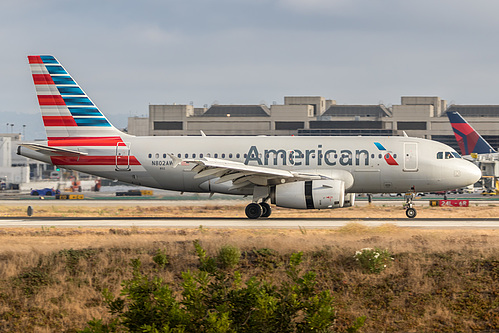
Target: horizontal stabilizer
[52,151]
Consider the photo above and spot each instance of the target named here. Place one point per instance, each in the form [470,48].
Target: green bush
[228,257]
[373,261]
[160,258]
[219,301]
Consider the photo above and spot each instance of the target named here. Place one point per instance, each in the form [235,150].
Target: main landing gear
[410,211]
[255,210]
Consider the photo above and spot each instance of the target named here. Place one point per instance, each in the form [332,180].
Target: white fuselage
[377,164]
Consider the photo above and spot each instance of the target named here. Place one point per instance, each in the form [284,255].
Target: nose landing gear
[410,211]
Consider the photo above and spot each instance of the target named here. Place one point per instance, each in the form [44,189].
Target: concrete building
[419,116]
[13,171]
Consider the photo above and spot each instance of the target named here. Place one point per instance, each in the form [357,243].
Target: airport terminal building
[423,117]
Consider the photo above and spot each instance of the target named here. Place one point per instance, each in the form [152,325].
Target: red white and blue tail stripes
[66,110]
[72,121]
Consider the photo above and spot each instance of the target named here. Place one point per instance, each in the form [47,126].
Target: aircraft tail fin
[69,115]
[468,139]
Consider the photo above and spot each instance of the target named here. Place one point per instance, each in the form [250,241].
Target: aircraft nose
[470,174]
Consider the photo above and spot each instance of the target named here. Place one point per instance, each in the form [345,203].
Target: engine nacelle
[349,200]
[310,194]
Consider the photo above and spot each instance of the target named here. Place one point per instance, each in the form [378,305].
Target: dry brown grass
[237,210]
[441,280]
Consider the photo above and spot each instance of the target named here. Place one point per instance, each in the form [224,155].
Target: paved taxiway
[187,222]
[271,223]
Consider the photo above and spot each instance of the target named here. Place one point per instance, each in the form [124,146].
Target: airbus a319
[293,172]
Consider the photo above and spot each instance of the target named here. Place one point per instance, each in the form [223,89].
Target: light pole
[24,132]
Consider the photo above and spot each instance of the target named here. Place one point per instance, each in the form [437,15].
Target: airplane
[476,149]
[292,172]
[468,139]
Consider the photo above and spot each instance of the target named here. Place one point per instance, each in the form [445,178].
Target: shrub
[160,258]
[219,301]
[228,257]
[373,261]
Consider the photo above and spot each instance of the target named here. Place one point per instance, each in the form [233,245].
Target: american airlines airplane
[293,172]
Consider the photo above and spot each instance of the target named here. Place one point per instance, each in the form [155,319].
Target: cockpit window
[447,155]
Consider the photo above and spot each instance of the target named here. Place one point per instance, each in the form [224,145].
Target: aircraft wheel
[410,212]
[266,210]
[253,211]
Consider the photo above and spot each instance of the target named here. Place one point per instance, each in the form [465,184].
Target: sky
[129,54]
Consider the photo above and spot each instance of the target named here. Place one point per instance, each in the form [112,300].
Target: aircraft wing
[52,151]
[241,174]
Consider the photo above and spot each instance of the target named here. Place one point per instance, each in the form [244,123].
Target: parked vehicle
[45,192]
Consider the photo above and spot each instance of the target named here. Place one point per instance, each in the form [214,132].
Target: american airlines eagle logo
[387,155]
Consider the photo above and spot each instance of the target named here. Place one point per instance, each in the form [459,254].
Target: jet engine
[310,194]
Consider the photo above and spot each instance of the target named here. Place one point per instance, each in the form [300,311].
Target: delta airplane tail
[468,139]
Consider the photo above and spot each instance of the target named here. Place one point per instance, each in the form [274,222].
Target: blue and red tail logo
[467,138]
[387,155]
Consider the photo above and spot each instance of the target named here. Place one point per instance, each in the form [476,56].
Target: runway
[244,223]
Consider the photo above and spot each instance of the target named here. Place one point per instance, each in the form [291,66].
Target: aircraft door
[410,156]
[123,156]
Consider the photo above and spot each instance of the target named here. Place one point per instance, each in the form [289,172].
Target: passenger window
[230,155]
[179,155]
[200,155]
[186,155]
[216,155]
[238,155]
[150,155]
[440,155]
[193,155]
[223,155]
[157,155]
[208,155]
